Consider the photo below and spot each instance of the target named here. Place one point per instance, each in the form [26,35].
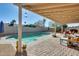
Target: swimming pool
[28,37]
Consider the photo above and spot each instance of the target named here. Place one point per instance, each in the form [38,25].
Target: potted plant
[24,52]
[17,45]
[24,47]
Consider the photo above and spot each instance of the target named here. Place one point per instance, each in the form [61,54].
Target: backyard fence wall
[14,29]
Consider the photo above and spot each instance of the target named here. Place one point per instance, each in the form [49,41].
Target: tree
[65,26]
[25,22]
[44,20]
[12,22]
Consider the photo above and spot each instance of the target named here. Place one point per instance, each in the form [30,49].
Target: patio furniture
[77,35]
[73,43]
[63,41]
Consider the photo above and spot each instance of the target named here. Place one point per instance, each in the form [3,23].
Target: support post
[61,29]
[55,29]
[20,28]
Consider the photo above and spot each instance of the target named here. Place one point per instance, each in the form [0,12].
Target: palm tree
[44,20]
[12,22]
[25,14]
[25,22]
[64,26]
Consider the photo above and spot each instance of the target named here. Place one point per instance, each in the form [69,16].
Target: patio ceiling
[60,12]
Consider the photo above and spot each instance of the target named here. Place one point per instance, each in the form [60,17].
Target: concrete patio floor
[45,46]
[7,50]
[50,46]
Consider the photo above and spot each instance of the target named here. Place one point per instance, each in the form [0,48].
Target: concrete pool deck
[50,46]
[7,50]
[45,46]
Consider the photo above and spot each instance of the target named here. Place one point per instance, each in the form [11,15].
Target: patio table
[63,41]
[77,35]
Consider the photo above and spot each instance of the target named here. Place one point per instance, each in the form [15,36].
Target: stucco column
[19,28]
[55,28]
[61,28]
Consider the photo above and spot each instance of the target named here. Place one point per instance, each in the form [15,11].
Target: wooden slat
[57,9]
[44,6]
[62,13]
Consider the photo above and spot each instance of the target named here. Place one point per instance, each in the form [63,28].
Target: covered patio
[61,13]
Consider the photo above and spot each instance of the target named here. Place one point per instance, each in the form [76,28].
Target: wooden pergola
[63,13]
[59,12]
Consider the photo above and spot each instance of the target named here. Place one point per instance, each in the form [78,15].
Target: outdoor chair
[73,43]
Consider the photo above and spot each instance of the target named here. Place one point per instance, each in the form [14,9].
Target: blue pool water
[28,37]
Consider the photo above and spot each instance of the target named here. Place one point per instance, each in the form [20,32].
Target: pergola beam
[50,6]
[58,11]
[55,9]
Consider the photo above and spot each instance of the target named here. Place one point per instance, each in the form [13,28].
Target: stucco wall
[14,29]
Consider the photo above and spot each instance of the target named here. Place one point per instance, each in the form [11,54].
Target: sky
[73,24]
[8,12]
